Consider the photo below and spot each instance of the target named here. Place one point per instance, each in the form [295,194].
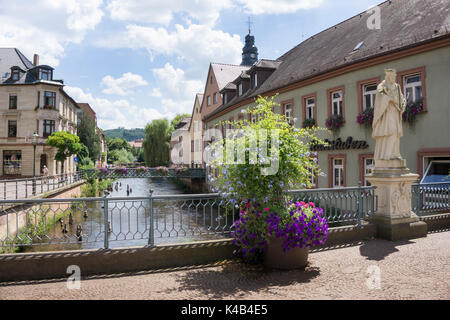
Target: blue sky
[139,60]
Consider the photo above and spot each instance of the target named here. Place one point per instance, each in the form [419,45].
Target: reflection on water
[129,221]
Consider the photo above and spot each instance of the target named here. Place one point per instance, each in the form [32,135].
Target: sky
[135,61]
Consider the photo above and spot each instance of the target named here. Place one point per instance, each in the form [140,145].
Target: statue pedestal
[394,217]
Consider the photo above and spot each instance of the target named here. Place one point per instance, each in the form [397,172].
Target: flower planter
[276,258]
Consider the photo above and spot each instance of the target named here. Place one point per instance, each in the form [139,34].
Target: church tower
[250,51]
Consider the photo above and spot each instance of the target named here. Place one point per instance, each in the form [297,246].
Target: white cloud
[176,91]
[196,44]
[45,28]
[162,11]
[122,86]
[117,113]
[279,6]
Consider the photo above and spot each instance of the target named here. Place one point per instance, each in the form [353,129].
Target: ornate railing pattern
[122,222]
[124,172]
[29,187]
[431,198]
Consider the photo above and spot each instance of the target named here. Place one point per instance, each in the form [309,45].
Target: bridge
[143,172]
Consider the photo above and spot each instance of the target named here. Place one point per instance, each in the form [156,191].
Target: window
[192,146]
[240,89]
[49,99]
[12,128]
[412,86]
[215,98]
[255,80]
[15,75]
[369,93]
[336,170]
[225,98]
[45,74]
[208,100]
[310,105]
[13,101]
[369,165]
[288,112]
[336,103]
[338,173]
[49,127]
[12,162]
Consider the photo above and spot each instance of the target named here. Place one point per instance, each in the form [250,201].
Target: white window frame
[368,169]
[412,86]
[341,171]
[240,88]
[208,100]
[310,108]
[256,80]
[337,102]
[371,94]
[288,111]
[215,99]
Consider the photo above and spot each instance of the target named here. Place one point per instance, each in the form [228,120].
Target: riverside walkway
[416,269]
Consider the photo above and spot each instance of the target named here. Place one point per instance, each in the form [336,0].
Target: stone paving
[416,269]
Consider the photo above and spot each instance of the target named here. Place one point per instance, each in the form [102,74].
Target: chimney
[36,60]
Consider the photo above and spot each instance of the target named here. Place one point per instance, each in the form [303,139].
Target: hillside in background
[126,134]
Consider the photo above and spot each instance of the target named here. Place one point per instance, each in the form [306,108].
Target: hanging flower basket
[412,110]
[162,171]
[335,122]
[180,170]
[365,118]
[121,171]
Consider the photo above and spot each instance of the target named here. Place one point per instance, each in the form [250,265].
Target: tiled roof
[404,23]
[226,73]
[12,57]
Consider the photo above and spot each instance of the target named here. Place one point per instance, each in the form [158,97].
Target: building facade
[335,74]
[31,102]
[196,133]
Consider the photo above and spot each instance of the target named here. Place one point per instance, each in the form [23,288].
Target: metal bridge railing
[143,172]
[431,198]
[13,189]
[123,222]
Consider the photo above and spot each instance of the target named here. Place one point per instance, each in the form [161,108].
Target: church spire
[250,51]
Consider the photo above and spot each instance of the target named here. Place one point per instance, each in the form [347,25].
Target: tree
[67,144]
[177,119]
[117,144]
[156,144]
[87,131]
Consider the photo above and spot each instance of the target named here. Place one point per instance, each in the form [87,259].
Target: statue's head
[391,75]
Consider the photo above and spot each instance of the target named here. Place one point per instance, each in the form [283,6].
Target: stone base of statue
[394,217]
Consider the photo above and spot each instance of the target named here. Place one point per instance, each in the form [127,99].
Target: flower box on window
[412,110]
[366,117]
[335,122]
[309,123]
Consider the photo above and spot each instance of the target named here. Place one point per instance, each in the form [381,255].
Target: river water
[176,220]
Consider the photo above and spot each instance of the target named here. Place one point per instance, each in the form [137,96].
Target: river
[177,221]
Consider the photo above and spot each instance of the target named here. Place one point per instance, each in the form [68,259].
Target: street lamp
[34,141]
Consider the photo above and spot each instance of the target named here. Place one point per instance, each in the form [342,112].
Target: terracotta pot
[276,258]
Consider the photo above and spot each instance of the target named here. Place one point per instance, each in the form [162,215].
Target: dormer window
[15,74]
[240,89]
[255,80]
[45,74]
[225,98]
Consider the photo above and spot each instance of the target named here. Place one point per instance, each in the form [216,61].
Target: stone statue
[387,122]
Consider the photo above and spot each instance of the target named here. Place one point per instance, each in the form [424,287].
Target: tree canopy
[87,131]
[67,144]
[156,144]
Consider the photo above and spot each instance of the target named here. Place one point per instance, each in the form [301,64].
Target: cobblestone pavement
[417,269]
